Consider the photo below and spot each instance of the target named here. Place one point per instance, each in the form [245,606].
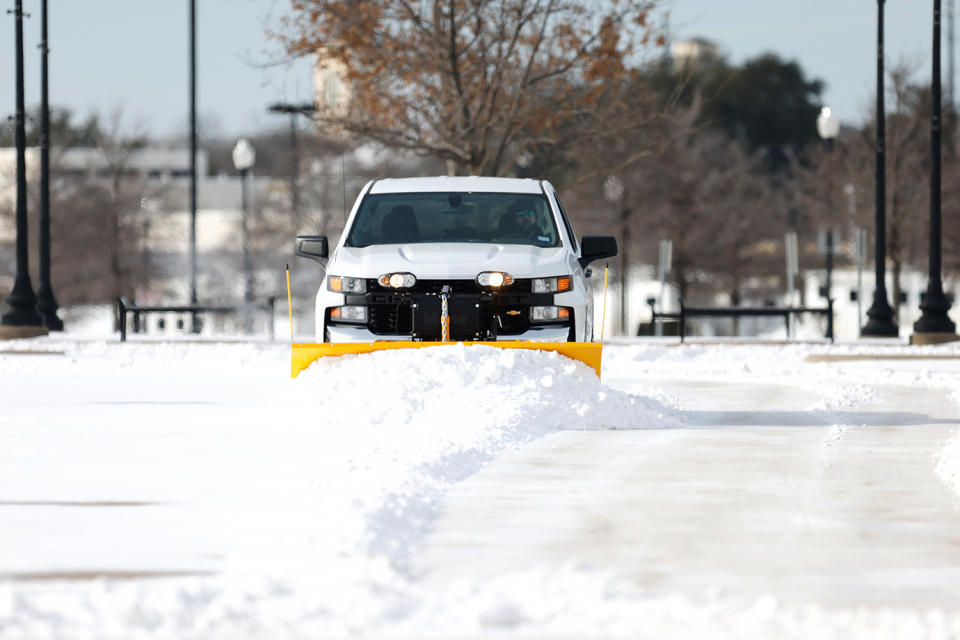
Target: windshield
[503,218]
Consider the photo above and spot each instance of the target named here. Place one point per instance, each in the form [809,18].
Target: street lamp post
[614,192]
[880,314]
[293,110]
[828,126]
[46,302]
[934,325]
[22,302]
[194,320]
[243,159]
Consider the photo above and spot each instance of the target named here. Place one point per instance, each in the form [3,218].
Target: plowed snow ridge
[329,480]
[318,490]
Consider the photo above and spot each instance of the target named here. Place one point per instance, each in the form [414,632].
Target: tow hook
[445,313]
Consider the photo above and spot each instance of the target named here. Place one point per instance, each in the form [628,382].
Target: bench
[786,313]
[125,307]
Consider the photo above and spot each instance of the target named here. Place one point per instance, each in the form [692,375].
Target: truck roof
[457,183]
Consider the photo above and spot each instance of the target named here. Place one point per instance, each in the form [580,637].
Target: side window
[566,223]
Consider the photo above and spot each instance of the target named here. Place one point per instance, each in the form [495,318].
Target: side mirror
[313,247]
[596,248]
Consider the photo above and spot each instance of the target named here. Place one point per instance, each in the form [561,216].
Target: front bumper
[475,313]
[347,333]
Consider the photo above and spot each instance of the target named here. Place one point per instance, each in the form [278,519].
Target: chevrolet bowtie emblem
[513,312]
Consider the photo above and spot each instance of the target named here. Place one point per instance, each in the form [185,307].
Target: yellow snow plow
[305,354]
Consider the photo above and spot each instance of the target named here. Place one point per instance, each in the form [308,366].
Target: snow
[281,478]
[217,498]
[948,463]
[841,383]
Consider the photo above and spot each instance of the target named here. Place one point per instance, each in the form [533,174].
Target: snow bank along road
[191,491]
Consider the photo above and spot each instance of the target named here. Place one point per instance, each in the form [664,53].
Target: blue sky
[133,53]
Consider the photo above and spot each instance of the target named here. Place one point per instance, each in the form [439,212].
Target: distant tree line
[721,178]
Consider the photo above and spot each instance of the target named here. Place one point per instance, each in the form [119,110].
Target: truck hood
[438,261]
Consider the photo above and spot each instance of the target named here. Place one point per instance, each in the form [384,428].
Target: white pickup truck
[456,258]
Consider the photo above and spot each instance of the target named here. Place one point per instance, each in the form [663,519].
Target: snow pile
[89,321]
[305,498]
[405,424]
[461,387]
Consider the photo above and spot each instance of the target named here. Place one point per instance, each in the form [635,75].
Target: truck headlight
[549,314]
[343,284]
[494,279]
[552,285]
[397,280]
[349,313]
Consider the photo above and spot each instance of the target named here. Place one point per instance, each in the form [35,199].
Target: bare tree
[126,191]
[98,251]
[706,193]
[476,81]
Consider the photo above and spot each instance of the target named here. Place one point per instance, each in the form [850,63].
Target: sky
[133,54]
[834,40]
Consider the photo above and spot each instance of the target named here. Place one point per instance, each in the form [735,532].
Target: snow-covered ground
[192,490]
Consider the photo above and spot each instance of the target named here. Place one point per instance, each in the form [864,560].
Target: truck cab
[456,258]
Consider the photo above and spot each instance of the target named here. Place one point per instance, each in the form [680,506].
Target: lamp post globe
[243,158]
[244,155]
[828,126]
[614,192]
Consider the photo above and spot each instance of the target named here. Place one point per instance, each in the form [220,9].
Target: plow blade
[304,354]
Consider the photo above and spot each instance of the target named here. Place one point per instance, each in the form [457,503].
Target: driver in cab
[520,221]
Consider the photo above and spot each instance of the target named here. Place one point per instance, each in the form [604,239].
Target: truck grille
[474,310]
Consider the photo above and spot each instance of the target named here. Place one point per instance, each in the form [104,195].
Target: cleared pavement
[757,495]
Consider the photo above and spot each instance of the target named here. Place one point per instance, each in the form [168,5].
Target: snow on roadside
[948,463]
[948,460]
[314,491]
[787,363]
[558,603]
[450,411]
[318,490]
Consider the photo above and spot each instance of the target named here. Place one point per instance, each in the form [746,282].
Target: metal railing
[125,307]
[787,313]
